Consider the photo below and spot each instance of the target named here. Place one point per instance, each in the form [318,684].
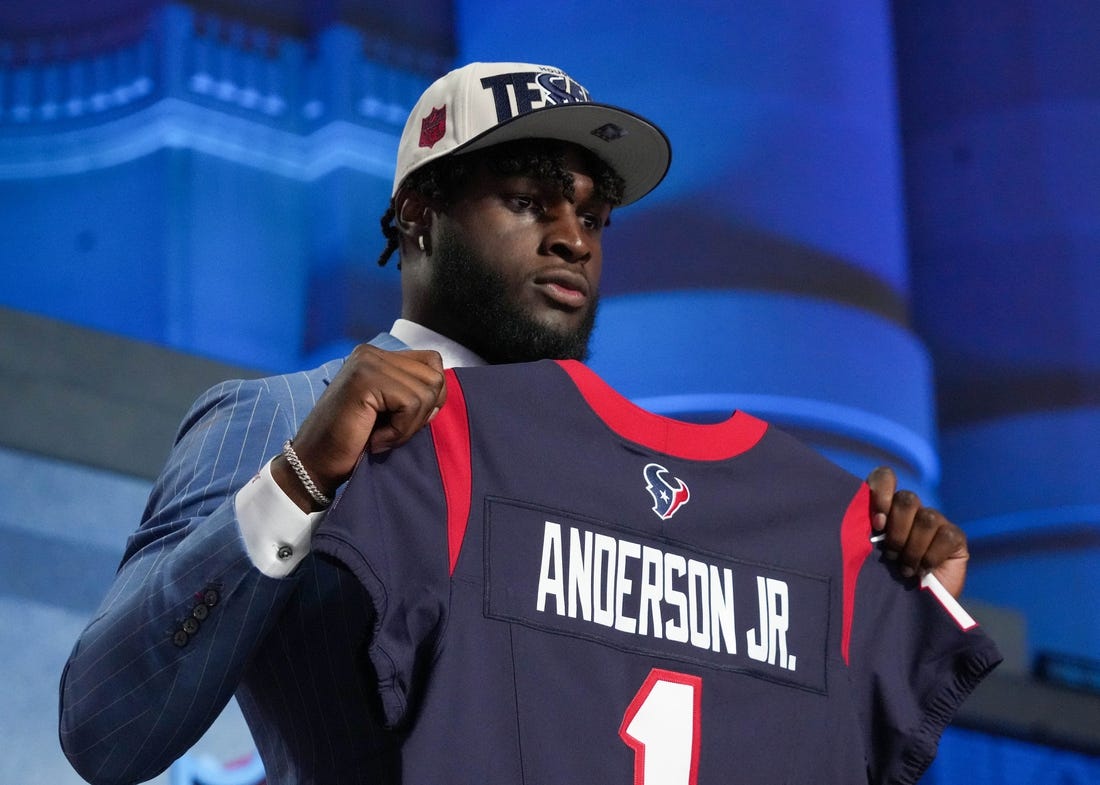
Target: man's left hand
[919,538]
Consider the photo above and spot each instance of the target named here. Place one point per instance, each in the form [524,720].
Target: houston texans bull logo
[667,498]
[532,90]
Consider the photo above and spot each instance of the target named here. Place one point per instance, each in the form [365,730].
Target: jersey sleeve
[392,527]
[914,656]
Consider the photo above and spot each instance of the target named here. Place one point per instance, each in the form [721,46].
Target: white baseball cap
[483,104]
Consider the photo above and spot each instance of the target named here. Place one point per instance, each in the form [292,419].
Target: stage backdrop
[879,231]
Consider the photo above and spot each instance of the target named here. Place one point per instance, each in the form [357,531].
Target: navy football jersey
[569,589]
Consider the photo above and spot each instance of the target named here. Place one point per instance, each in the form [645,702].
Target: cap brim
[640,153]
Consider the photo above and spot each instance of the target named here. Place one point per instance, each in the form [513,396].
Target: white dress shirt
[269,519]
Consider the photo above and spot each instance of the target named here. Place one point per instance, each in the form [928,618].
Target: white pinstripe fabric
[132,701]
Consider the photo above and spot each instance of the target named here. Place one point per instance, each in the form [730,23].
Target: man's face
[516,265]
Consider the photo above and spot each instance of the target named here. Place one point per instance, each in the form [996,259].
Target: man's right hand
[378,400]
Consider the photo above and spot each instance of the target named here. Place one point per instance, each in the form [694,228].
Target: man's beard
[475,297]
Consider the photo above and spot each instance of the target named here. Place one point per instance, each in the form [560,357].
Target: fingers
[938,546]
[948,544]
[399,393]
[378,400]
[921,539]
[883,484]
[911,532]
[403,409]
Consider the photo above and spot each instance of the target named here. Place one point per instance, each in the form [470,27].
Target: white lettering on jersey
[652,591]
[642,590]
[550,574]
[769,642]
[603,581]
[675,628]
[580,574]
[627,550]
[699,603]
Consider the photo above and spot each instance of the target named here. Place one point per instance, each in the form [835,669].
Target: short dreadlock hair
[441,180]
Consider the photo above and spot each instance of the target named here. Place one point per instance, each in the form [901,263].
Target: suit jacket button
[210,598]
[180,638]
[200,612]
[284,552]
[190,626]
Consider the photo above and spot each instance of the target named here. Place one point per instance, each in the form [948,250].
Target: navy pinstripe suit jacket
[136,694]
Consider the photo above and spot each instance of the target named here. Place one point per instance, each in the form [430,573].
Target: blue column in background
[1001,110]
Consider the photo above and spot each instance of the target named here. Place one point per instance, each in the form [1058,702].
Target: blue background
[880,230]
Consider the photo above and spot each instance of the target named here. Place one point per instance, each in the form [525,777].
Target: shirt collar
[417,336]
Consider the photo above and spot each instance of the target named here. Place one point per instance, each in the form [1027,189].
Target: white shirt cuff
[275,530]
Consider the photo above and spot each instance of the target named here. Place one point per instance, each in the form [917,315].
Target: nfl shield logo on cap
[433,127]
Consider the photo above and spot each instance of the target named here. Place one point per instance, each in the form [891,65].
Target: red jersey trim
[451,435]
[691,441]
[855,547]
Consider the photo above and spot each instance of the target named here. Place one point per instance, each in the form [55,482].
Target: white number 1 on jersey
[661,725]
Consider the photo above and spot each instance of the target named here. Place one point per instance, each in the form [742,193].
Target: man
[506,177]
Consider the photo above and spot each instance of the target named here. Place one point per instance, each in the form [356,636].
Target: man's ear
[413,216]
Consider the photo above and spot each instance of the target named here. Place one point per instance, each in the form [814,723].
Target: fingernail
[878,520]
[908,572]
